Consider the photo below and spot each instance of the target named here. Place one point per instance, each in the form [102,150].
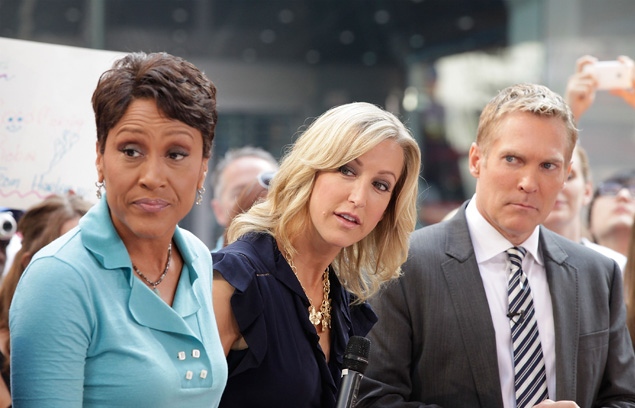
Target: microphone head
[356,354]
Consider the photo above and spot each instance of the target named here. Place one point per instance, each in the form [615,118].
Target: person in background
[629,286]
[118,312]
[493,310]
[582,86]
[611,211]
[251,194]
[39,225]
[290,288]
[566,216]
[238,168]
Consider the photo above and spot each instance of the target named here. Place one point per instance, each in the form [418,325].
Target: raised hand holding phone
[616,74]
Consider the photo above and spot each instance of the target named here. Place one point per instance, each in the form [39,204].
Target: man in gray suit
[454,329]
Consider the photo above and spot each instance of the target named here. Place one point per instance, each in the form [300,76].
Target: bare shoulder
[230,335]
[221,286]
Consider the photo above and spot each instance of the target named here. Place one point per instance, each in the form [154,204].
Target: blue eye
[347,171]
[382,186]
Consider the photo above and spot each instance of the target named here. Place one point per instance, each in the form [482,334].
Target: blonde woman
[290,289]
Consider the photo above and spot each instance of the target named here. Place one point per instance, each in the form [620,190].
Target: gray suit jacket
[434,344]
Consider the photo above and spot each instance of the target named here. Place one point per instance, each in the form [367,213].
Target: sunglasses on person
[265,177]
[612,188]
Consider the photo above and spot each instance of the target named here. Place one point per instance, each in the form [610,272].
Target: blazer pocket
[594,340]
[592,355]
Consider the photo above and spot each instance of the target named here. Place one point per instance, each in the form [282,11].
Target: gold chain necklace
[322,316]
[163,275]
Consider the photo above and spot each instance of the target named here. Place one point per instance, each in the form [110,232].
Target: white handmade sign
[47,126]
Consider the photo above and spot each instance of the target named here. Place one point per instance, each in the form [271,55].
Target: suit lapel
[474,317]
[563,286]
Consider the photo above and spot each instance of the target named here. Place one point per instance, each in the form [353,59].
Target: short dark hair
[621,177]
[180,90]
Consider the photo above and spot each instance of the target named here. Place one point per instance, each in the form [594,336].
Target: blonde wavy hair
[336,138]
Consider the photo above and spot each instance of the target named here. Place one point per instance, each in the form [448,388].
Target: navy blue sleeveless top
[284,365]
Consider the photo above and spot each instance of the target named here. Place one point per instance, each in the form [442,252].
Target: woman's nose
[151,172]
[358,195]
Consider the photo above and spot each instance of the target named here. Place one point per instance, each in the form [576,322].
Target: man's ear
[588,193]
[568,173]
[475,160]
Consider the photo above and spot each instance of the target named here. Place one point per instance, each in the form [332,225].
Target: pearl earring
[199,195]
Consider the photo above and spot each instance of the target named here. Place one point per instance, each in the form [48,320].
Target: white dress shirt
[494,266]
[606,251]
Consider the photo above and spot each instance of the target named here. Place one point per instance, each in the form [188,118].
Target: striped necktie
[530,379]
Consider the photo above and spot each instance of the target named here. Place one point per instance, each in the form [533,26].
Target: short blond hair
[532,98]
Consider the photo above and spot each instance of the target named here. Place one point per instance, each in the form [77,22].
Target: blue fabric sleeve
[50,326]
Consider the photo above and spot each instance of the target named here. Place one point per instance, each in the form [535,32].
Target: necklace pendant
[315,317]
[156,290]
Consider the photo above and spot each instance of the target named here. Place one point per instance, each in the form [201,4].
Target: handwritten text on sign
[47,129]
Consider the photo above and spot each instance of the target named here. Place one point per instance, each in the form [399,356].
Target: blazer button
[189,375]
[196,353]
[203,374]
[181,355]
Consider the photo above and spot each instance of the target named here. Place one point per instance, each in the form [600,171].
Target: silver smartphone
[611,74]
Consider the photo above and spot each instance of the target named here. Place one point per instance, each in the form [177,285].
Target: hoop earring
[99,187]
[199,195]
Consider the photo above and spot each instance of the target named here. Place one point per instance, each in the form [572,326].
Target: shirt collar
[488,242]
[100,237]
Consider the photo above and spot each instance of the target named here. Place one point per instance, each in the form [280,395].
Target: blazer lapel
[563,285]
[470,302]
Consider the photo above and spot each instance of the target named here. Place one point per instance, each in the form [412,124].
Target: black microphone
[353,368]
[520,314]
